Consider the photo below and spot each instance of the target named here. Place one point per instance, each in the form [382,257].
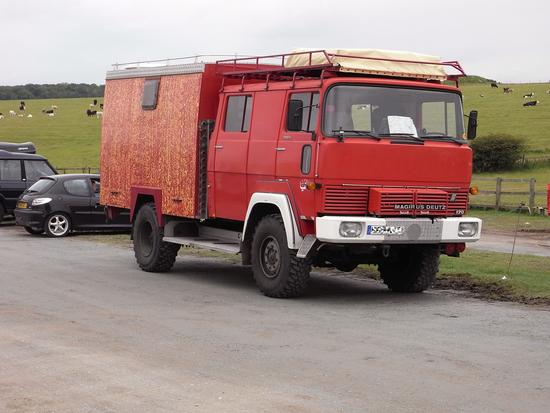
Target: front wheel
[57,225]
[151,252]
[277,271]
[411,269]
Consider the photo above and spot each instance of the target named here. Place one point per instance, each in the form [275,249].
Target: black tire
[34,231]
[2,212]
[412,270]
[57,225]
[277,271]
[152,254]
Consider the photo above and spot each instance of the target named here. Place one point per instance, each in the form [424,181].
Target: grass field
[504,113]
[69,139]
[485,271]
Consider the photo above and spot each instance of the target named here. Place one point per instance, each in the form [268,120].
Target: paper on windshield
[402,124]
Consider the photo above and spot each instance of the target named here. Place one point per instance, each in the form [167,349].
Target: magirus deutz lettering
[419,207]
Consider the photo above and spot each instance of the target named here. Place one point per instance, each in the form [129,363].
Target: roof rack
[315,64]
[199,58]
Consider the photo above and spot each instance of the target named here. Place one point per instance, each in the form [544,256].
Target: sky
[77,40]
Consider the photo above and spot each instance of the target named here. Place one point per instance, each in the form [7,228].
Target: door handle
[218,146]
[280,149]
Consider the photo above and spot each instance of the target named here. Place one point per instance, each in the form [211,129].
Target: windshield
[388,111]
[41,186]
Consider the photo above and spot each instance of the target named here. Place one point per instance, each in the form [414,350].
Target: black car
[59,204]
[18,172]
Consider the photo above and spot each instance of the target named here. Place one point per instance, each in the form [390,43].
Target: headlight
[350,229]
[467,229]
[40,201]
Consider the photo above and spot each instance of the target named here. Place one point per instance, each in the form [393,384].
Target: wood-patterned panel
[153,148]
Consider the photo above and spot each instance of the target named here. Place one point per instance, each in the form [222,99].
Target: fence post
[532,182]
[498,190]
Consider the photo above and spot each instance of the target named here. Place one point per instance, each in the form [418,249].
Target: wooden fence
[505,198]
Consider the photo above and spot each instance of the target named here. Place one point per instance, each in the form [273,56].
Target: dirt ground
[83,330]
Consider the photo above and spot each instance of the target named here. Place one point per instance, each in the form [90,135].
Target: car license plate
[21,205]
[385,229]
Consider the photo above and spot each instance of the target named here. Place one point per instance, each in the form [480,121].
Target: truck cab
[328,159]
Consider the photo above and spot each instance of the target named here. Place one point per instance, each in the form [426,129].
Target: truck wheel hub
[271,257]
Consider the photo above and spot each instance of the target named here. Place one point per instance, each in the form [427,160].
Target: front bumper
[411,230]
[29,218]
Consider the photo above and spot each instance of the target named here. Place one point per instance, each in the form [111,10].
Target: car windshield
[358,111]
[41,186]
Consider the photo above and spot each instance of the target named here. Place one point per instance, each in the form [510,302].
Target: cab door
[296,146]
[230,157]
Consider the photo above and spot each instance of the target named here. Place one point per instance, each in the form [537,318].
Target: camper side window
[150,94]
[237,113]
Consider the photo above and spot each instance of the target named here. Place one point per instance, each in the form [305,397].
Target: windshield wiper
[445,138]
[366,133]
[406,135]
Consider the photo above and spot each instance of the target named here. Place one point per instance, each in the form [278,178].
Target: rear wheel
[34,231]
[57,225]
[411,270]
[152,254]
[277,271]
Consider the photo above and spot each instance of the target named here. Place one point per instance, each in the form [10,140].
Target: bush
[497,152]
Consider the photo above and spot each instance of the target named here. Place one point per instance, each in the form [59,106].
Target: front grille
[413,202]
[459,204]
[343,200]
[390,198]
[435,202]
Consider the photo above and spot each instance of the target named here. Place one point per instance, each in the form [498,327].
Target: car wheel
[57,225]
[34,231]
[2,212]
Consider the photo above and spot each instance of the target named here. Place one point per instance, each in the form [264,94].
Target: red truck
[329,158]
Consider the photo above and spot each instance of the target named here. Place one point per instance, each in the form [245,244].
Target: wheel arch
[142,195]
[262,204]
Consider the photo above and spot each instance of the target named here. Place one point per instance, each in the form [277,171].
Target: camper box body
[156,148]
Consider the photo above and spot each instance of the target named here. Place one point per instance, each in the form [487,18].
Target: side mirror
[294,115]
[472,125]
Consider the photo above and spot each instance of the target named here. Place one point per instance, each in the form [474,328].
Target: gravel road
[530,244]
[83,330]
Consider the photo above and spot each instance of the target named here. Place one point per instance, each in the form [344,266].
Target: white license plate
[385,230]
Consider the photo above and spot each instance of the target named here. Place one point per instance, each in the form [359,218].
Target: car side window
[237,113]
[34,170]
[10,170]
[78,187]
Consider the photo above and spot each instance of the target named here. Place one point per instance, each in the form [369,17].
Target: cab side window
[10,170]
[237,113]
[78,187]
[302,112]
